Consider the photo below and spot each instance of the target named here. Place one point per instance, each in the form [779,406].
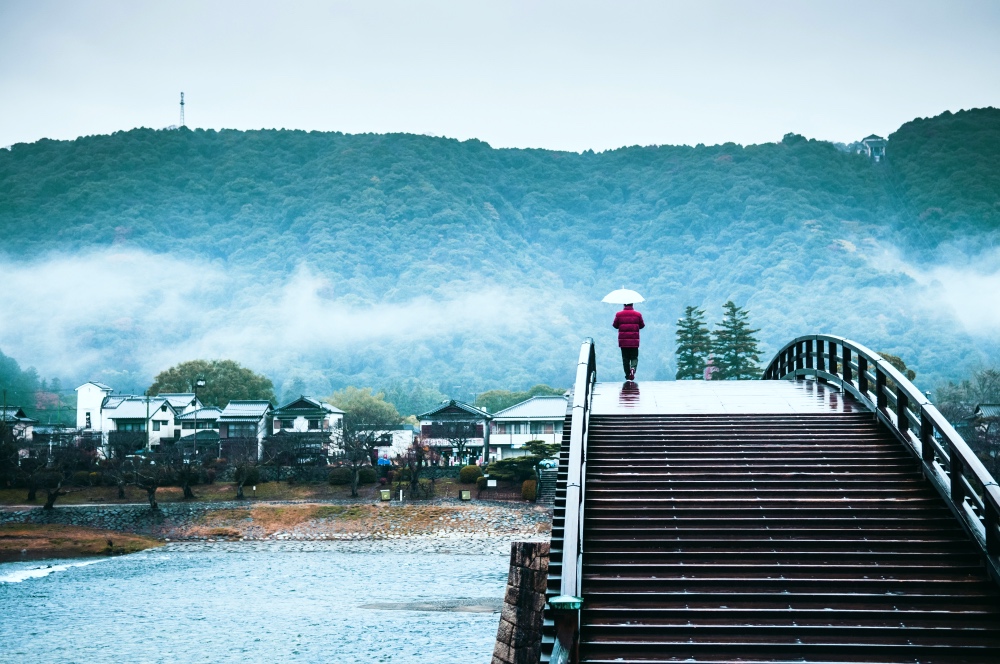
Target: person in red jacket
[628,322]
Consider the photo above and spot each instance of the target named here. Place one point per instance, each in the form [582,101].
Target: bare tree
[367,418]
[150,471]
[243,456]
[117,464]
[421,459]
[459,442]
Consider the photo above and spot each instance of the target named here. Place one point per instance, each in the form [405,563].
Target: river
[401,601]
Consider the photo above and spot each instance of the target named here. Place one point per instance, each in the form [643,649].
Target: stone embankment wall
[126,518]
[519,637]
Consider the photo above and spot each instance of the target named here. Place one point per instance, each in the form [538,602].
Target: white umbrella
[623,296]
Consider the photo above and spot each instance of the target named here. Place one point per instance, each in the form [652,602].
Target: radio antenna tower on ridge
[182,109]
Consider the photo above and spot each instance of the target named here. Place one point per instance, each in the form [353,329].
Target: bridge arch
[829,465]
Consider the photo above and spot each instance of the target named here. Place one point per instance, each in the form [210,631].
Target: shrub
[81,478]
[366,475]
[95,479]
[340,476]
[481,483]
[528,489]
[469,474]
[382,481]
[210,475]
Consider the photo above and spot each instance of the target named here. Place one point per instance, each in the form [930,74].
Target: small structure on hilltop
[460,427]
[874,147]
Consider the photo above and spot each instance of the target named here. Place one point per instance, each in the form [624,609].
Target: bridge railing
[948,462]
[566,607]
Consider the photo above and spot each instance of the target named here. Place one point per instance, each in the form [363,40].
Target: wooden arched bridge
[827,513]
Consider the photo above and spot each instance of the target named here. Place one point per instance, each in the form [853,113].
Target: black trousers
[630,359]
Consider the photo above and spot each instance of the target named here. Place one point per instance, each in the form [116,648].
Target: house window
[287,424]
[242,430]
[132,426]
[188,425]
[313,424]
[156,425]
[163,408]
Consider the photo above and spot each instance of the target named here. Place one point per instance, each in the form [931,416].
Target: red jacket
[628,322]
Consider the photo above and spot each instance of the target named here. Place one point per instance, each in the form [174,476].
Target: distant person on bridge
[628,322]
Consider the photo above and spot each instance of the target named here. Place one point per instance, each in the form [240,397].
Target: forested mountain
[324,259]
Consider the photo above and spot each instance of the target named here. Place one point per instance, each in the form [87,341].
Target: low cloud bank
[967,291]
[126,315]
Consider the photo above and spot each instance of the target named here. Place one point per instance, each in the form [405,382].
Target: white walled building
[538,418]
[98,410]
[89,404]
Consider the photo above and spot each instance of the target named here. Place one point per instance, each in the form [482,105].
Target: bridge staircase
[770,521]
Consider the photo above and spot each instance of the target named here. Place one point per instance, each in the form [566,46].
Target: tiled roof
[207,413]
[15,414]
[310,403]
[203,436]
[535,408]
[115,400]
[988,410]
[134,408]
[449,405]
[178,400]
[245,409]
[99,385]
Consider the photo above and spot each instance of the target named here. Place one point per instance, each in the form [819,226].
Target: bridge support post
[991,520]
[926,438]
[881,400]
[902,420]
[820,359]
[955,471]
[565,650]
[862,375]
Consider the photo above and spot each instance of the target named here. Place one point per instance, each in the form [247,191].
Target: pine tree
[735,346]
[693,344]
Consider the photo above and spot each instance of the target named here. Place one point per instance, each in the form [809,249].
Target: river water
[420,601]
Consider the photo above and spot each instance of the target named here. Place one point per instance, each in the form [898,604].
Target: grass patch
[342,512]
[23,541]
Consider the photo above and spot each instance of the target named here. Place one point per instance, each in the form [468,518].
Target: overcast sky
[566,75]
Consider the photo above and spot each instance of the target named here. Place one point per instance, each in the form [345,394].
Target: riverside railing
[948,462]
[565,608]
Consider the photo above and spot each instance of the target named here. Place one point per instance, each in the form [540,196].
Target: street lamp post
[200,382]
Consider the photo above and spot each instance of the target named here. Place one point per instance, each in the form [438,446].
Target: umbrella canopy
[623,296]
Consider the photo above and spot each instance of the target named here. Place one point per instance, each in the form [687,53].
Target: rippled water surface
[250,603]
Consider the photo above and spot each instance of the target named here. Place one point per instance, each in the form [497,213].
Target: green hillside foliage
[946,173]
[796,232]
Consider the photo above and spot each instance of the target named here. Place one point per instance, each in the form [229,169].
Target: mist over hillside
[324,259]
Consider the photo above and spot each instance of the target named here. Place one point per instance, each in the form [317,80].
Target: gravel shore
[437,521]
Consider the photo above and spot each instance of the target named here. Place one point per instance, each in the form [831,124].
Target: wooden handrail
[948,462]
[567,620]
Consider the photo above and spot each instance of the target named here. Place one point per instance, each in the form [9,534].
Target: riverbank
[29,541]
[236,521]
